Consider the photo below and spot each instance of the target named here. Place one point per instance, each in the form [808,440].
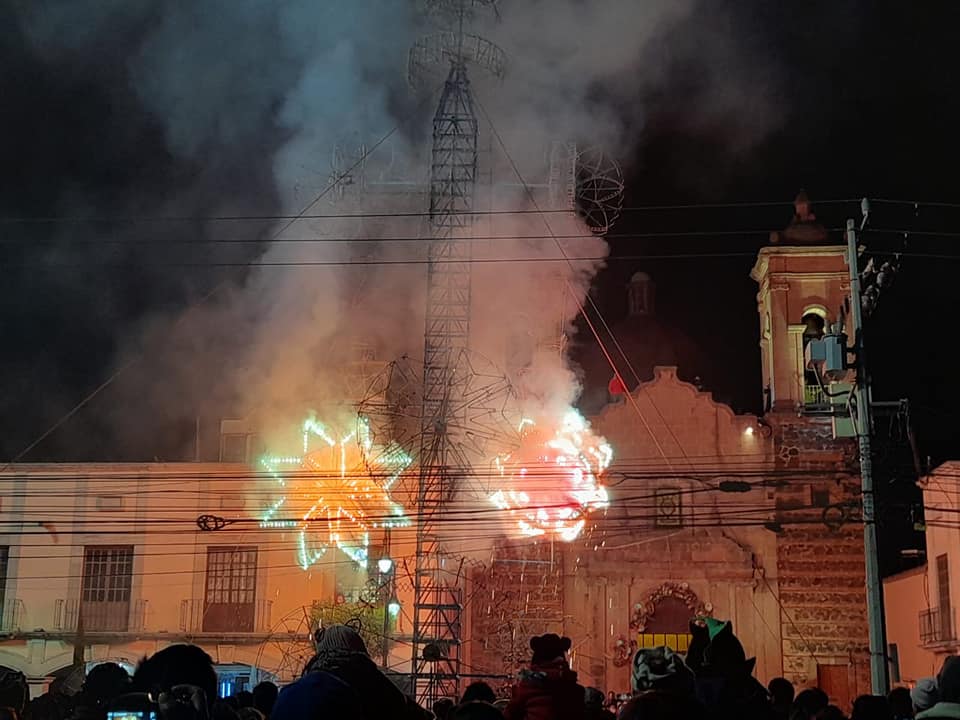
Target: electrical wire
[393,214]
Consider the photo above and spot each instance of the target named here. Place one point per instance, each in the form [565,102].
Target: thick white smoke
[316,84]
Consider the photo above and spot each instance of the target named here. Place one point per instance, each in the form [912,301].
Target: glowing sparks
[554,478]
[336,496]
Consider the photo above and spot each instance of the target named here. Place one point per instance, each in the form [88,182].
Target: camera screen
[131,715]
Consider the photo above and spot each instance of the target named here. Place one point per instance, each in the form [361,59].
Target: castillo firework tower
[336,492]
[552,479]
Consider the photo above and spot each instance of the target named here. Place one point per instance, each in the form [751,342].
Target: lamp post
[385,566]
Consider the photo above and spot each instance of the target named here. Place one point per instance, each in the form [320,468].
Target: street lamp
[385,566]
[393,606]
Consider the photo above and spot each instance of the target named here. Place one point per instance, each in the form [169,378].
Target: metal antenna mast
[438,604]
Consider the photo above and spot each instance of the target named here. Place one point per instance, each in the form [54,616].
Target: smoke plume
[317,93]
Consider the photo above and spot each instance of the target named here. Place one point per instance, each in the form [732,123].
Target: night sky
[865,103]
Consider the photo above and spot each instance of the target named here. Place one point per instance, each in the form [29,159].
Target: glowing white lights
[336,497]
[384,565]
[554,478]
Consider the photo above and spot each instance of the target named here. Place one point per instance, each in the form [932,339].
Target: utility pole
[879,672]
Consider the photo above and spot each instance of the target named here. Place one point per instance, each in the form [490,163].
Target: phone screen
[131,715]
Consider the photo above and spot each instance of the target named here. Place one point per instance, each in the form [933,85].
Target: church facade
[740,517]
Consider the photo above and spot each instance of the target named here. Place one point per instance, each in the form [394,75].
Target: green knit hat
[715,627]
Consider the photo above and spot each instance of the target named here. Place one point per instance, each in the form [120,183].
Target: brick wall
[518,596]
[820,561]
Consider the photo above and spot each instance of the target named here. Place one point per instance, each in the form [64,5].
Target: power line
[373,239]
[392,214]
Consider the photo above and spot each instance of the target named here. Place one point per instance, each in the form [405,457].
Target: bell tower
[803,281]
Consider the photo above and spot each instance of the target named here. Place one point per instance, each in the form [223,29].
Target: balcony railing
[100,617]
[196,616]
[11,615]
[937,626]
[813,396]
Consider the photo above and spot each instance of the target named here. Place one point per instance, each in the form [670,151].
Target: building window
[668,508]
[943,581]
[231,589]
[105,591]
[813,327]
[234,448]
[820,497]
[4,564]
[893,652]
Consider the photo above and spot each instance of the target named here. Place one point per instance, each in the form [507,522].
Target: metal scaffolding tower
[453,172]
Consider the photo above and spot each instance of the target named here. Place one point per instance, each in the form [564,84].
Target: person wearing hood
[724,675]
[662,669]
[948,687]
[342,653]
[549,689]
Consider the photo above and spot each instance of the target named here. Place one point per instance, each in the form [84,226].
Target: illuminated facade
[110,556]
[753,519]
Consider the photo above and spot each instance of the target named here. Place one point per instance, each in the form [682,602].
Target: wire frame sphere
[599,189]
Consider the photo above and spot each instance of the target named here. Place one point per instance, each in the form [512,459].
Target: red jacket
[546,692]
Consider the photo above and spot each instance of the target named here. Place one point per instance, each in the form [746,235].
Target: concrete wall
[51,512]
[904,597]
[671,437]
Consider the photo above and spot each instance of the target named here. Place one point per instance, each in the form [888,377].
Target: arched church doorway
[669,625]
[663,617]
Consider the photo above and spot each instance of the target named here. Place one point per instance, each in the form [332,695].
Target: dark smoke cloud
[175,107]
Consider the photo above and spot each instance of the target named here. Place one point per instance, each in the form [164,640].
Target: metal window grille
[107,573]
[231,575]
[4,563]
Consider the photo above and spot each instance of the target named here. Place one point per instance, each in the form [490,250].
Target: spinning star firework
[553,478]
[339,490]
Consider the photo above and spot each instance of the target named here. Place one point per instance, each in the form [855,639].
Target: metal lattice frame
[438,603]
[291,642]
[476,418]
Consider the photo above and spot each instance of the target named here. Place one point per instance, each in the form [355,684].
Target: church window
[813,328]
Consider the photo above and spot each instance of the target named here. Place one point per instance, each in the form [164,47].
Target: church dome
[646,341]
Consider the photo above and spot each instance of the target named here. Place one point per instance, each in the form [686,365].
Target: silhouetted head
[548,648]
[106,682]
[479,691]
[177,665]
[442,708]
[781,692]
[948,680]
[871,707]
[265,696]
[900,702]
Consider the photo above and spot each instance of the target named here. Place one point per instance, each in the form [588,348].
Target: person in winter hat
[660,668]
[549,689]
[724,678]
[925,694]
[342,652]
[948,684]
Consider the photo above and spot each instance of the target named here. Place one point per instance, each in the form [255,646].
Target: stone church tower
[803,283]
[744,518]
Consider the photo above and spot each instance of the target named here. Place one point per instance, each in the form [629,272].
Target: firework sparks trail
[338,490]
[553,478]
